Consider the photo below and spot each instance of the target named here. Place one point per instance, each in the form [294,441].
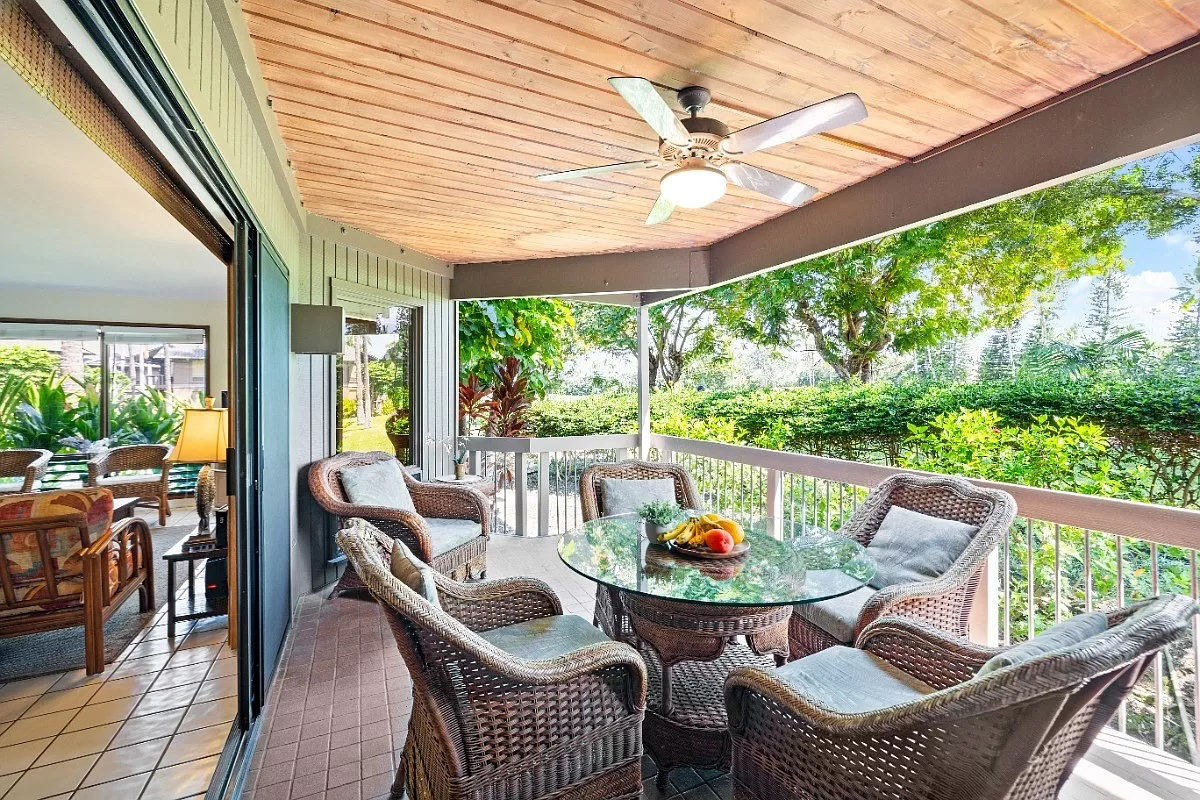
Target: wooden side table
[196,609]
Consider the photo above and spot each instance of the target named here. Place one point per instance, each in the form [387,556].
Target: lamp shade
[694,185]
[203,437]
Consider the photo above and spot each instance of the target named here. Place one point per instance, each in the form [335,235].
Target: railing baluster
[1057,573]
[1122,710]
[1087,570]
[1159,735]
[1006,577]
[1031,580]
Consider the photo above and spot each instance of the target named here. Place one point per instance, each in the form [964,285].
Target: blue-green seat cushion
[837,616]
[447,534]
[851,681]
[548,637]
[413,572]
[1065,634]
[626,496]
[910,547]
[380,484]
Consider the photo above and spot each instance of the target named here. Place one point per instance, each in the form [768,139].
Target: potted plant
[659,516]
[399,432]
[458,456]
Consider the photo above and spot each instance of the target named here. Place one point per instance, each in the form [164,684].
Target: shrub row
[850,409]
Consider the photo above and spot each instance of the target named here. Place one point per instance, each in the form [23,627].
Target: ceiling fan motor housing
[706,133]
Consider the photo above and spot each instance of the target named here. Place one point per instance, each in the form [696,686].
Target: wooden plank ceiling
[425,121]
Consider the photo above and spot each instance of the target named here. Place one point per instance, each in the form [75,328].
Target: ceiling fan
[703,153]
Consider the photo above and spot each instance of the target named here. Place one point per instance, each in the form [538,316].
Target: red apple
[719,540]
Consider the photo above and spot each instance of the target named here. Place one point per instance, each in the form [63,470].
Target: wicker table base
[689,649]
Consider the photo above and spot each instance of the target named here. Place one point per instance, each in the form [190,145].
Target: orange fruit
[734,529]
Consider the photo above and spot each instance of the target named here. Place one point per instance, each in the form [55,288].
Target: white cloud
[1148,300]
[1188,244]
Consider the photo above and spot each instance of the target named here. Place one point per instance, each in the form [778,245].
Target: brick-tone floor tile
[311,765]
[317,744]
[346,773]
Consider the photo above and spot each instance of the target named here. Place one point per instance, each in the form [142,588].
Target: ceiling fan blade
[648,103]
[661,211]
[585,172]
[763,181]
[844,109]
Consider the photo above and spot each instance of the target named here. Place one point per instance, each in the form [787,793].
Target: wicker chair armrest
[97,467]
[37,468]
[579,666]
[450,502]
[493,604]
[890,600]
[403,525]
[924,652]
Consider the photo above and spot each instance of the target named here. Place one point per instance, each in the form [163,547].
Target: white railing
[1066,553]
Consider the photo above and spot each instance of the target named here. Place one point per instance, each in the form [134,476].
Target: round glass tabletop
[787,563]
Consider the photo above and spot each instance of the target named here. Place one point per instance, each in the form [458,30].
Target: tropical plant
[45,418]
[511,400]
[150,416]
[474,404]
[13,391]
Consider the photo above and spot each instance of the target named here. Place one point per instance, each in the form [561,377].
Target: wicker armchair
[510,698]
[433,502]
[149,489]
[66,564]
[27,465]
[944,602]
[939,733]
[610,612]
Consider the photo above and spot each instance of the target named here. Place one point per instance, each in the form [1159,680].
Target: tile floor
[338,711]
[150,727]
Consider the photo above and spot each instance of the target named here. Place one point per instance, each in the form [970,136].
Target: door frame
[128,47]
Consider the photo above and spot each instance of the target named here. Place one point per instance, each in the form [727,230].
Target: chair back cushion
[81,515]
[414,573]
[378,484]
[1065,634]
[626,496]
[910,547]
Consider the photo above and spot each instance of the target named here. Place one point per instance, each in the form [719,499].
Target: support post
[643,329]
[521,484]
[983,626]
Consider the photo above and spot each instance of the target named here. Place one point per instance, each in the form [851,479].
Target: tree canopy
[954,277]
[535,331]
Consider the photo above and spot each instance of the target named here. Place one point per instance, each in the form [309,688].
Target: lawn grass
[366,439]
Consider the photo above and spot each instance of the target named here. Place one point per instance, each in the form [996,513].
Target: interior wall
[94,306]
[378,265]
[207,47]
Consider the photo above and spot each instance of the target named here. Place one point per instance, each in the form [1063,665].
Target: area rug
[57,651]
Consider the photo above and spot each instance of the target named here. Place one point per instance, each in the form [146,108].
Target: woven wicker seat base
[695,732]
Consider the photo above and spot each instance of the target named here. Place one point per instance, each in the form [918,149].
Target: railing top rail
[550,444]
[1167,525]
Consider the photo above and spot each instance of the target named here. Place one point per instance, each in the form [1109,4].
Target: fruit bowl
[708,536]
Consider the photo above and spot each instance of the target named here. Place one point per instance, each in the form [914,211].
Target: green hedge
[879,409]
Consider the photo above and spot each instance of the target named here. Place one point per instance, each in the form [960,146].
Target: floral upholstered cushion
[25,562]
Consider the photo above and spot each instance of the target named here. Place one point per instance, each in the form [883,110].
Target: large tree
[917,288]
[535,331]
[683,332]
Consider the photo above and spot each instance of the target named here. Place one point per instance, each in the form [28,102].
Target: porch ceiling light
[694,185]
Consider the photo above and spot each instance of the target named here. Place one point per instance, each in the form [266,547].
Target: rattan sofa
[433,501]
[26,465]
[511,699]
[944,602]
[940,732]
[66,564]
[610,613]
[149,488]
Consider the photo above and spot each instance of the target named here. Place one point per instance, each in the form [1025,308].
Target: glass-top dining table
[686,615]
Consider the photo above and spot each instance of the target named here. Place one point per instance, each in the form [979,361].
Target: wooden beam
[611,273]
[1150,106]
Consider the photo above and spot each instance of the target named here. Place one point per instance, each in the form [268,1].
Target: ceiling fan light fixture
[693,185]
